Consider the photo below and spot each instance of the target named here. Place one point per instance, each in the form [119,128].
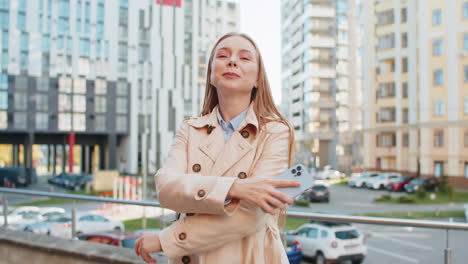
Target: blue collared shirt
[233,125]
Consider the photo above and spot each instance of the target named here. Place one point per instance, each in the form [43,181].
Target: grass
[459,197]
[135,224]
[417,215]
[293,223]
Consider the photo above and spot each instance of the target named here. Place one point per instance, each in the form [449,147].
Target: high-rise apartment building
[321,79]
[416,87]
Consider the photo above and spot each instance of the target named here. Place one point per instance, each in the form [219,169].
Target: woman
[220,170]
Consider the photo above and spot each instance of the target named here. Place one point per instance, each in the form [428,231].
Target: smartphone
[298,173]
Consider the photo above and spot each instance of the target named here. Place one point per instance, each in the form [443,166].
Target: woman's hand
[146,244]
[261,192]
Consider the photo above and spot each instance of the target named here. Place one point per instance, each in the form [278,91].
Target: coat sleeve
[201,233]
[179,191]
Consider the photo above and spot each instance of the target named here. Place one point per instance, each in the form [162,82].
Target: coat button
[245,133]
[182,236]
[242,175]
[201,193]
[185,259]
[196,167]
[209,130]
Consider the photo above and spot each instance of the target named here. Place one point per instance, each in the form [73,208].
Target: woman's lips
[230,75]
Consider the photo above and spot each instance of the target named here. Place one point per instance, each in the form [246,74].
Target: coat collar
[211,119]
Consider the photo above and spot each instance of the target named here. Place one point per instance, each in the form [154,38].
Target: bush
[406,199]
[450,192]
[383,198]
[421,193]
[303,203]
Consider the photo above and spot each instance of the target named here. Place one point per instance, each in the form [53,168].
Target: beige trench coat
[196,178]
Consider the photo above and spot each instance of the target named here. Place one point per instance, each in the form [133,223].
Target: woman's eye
[221,56]
[245,58]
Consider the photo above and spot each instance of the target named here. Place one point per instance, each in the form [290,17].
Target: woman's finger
[285,183]
[137,246]
[275,203]
[146,257]
[282,197]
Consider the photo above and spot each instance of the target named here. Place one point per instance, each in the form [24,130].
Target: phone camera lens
[299,173]
[298,168]
[293,171]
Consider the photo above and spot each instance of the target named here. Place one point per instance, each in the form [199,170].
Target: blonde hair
[264,106]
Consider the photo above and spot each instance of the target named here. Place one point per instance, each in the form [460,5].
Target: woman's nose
[232,62]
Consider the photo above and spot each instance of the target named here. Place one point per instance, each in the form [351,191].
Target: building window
[21,101]
[79,86]
[100,86]
[3,120]
[386,90]
[21,21]
[64,121]
[465,10]
[21,83]
[42,121]
[121,123]
[79,103]
[3,100]
[100,123]
[4,19]
[79,122]
[438,168]
[439,107]
[385,18]
[438,77]
[404,87]
[466,139]
[3,81]
[42,84]
[64,103]
[100,104]
[42,102]
[406,140]
[386,42]
[20,120]
[403,15]
[405,115]
[437,17]
[404,40]
[465,105]
[387,114]
[386,140]
[122,88]
[439,138]
[65,85]
[404,64]
[466,170]
[465,41]
[466,73]
[121,107]
[437,47]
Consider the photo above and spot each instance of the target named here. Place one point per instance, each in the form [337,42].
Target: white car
[30,217]
[381,181]
[18,214]
[331,242]
[86,222]
[328,174]
[361,180]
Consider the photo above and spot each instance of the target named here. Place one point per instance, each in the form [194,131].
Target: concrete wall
[24,247]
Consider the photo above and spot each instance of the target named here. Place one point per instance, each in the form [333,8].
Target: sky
[260,19]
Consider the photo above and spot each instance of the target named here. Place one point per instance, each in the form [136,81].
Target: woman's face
[234,68]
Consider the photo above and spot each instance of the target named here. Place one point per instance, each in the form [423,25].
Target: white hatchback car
[360,181]
[331,242]
[382,181]
[86,223]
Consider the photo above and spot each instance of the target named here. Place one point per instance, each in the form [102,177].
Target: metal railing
[297,214]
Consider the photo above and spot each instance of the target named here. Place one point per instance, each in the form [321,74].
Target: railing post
[448,250]
[5,209]
[73,227]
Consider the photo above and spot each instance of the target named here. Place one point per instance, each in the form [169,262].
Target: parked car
[331,242]
[78,182]
[361,180]
[328,173]
[13,175]
[44,227]
[319,193]
[381,181]
[119,239]
[18,213]
[293,250]
[466,213]
[398,184]
[31,217]
[430,184]
[86,223]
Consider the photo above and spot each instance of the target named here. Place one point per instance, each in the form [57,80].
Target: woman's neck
[232,106]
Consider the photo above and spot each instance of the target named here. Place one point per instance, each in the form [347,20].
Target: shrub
[303,203]
[421,193]
[383,198]
[406,199]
